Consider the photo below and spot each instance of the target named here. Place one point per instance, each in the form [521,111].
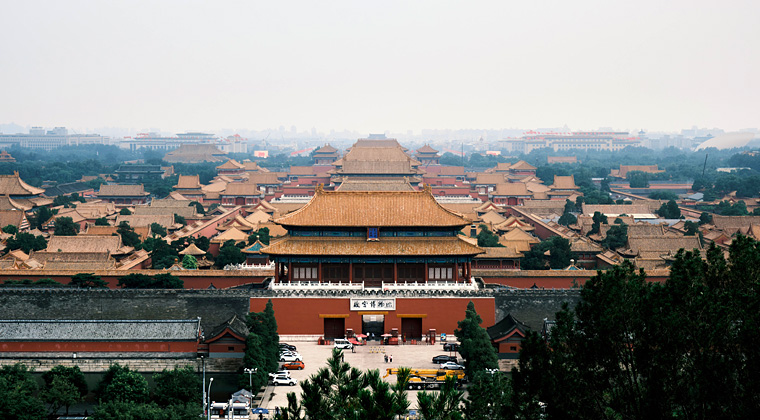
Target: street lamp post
[203,385]
[211,381]
[250,373]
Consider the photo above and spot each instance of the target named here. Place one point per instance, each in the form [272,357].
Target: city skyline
[390,67]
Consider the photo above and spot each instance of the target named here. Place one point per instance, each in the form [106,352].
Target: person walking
[385,356]
[390,358]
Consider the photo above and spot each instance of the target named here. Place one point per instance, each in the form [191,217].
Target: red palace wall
[305,315]
[100,347]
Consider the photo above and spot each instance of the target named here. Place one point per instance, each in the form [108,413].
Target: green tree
[135,281]
[65,226]
[444,405]
[127,386]
[125,212]
[638,179]
[260,235]
[663,195]
[10,229]
[167,281]
[128,235]
[489,397]
[567,217]
[198,207]
[101,221]
[162,254]
[87,280]
[26,242]
[180,220]
[18,392]
[669,210]
[177,386]
[551,253]
[189,262]
[597,220]
[705,218]
[617,236]
[229,254]
[119,410]
[486,238]
[475,345]
[64,387]
[692,228]
[158,229]
[42,216]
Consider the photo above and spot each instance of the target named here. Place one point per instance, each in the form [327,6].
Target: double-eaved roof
[406,246]
[373,209]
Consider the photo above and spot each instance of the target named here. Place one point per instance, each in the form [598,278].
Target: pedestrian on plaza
[391,358]
[385,356]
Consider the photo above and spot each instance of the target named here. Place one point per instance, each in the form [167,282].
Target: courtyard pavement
[371,356]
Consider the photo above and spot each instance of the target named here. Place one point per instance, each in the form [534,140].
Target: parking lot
[365,357]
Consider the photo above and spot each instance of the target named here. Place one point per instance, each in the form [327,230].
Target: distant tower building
[428,156]
[325,155]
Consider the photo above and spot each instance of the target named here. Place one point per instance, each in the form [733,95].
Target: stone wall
[212,306]
[142,365]
[532,306]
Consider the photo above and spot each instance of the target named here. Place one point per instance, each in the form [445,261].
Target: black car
[450,347]
[286,346]
[442,358]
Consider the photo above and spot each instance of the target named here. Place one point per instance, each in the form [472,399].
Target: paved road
[365,357]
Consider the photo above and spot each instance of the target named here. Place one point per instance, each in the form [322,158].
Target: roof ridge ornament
[319,189]
[428,188]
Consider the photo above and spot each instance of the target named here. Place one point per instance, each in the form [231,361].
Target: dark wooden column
[290,272]
[350,272]
[319,272]
[426,272]
[395,272]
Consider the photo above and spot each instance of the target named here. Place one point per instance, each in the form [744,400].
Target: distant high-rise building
[579,140]
[38,138]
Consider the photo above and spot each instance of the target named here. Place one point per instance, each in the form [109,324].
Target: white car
[281,380]
[451,366]
[290,358]
[285,373]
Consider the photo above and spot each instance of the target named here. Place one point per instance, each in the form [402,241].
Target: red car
[293,365]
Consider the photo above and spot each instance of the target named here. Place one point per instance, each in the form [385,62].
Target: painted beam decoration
[358,304]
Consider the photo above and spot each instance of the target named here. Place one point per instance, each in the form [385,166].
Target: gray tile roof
[99,330]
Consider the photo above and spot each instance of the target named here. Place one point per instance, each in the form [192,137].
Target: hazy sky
[372,66]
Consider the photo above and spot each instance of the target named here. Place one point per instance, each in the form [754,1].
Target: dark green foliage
[638,179]
[262,346]
[176,386]
[102,221]
[700,184]
[18,393]
[161,187]
[198,207]
[725,208]
[669,210]
[617,236]
[663,195]
[705,218]
[157,229]
[26,242]
[597,219]
[128,235]
[686,348]
[42,216]
[260,235]
[64,387]
[125,212]
[117,410]
[162,254]
[486,238]
[87,280]
[443,405]
[229,254]
[489,397]
[143,281]
[67,201]
[559,255]
[342,392]
[691,228]
[567,217]
[189,262]
[10,229]
[202,243]
[124,385]
[475,345]
[65,226]
[179,219]
[29,282]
